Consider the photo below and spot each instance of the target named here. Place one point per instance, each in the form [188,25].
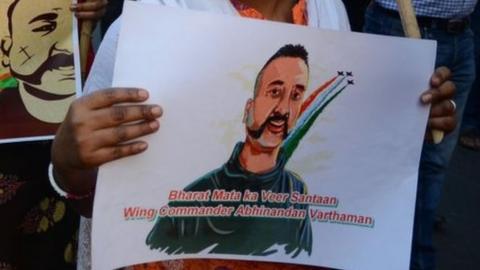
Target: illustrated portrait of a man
[38,53]
[256,164]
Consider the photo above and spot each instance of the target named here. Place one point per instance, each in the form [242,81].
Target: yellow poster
[39,70]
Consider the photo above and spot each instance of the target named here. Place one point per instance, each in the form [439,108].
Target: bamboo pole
[409,20]
[411,29]
[85,41]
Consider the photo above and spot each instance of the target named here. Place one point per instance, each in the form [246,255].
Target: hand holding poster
[279,143]
[39,72]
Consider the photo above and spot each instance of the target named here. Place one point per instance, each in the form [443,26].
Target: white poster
[278,143]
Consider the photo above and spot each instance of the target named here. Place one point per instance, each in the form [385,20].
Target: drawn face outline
[280,93]
[40,32]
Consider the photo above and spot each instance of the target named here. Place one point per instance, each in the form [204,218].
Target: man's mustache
[275,117]
[53,62]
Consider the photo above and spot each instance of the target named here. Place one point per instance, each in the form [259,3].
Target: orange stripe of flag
[314,95]
[5,76]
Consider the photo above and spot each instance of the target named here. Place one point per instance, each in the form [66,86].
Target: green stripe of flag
[292,142]
[8,83]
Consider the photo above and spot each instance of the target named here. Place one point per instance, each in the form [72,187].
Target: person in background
[447,22]
[356,13]
[470,137]
[37,229]
[82,144]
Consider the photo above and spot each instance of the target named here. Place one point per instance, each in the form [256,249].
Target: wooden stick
[85,41]
[411,29]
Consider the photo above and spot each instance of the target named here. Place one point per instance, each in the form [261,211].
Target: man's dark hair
[289,50]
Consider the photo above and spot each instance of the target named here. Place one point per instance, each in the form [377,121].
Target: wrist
[72,184]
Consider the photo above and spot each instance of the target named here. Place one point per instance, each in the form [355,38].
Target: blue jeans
[456,51]
[471,118]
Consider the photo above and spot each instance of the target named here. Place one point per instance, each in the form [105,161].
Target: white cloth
[324,14]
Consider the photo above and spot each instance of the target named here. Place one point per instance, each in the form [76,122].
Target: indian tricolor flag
[7,81]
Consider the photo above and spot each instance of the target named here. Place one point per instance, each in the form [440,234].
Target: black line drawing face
[39,54]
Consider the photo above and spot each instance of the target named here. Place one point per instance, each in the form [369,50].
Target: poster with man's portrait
[278,143]
[39,68]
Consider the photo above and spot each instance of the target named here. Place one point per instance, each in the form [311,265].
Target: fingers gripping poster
[278,143]
[39,70]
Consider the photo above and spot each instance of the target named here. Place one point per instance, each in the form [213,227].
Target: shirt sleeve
[101,73]
[342,16]
[328,14]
